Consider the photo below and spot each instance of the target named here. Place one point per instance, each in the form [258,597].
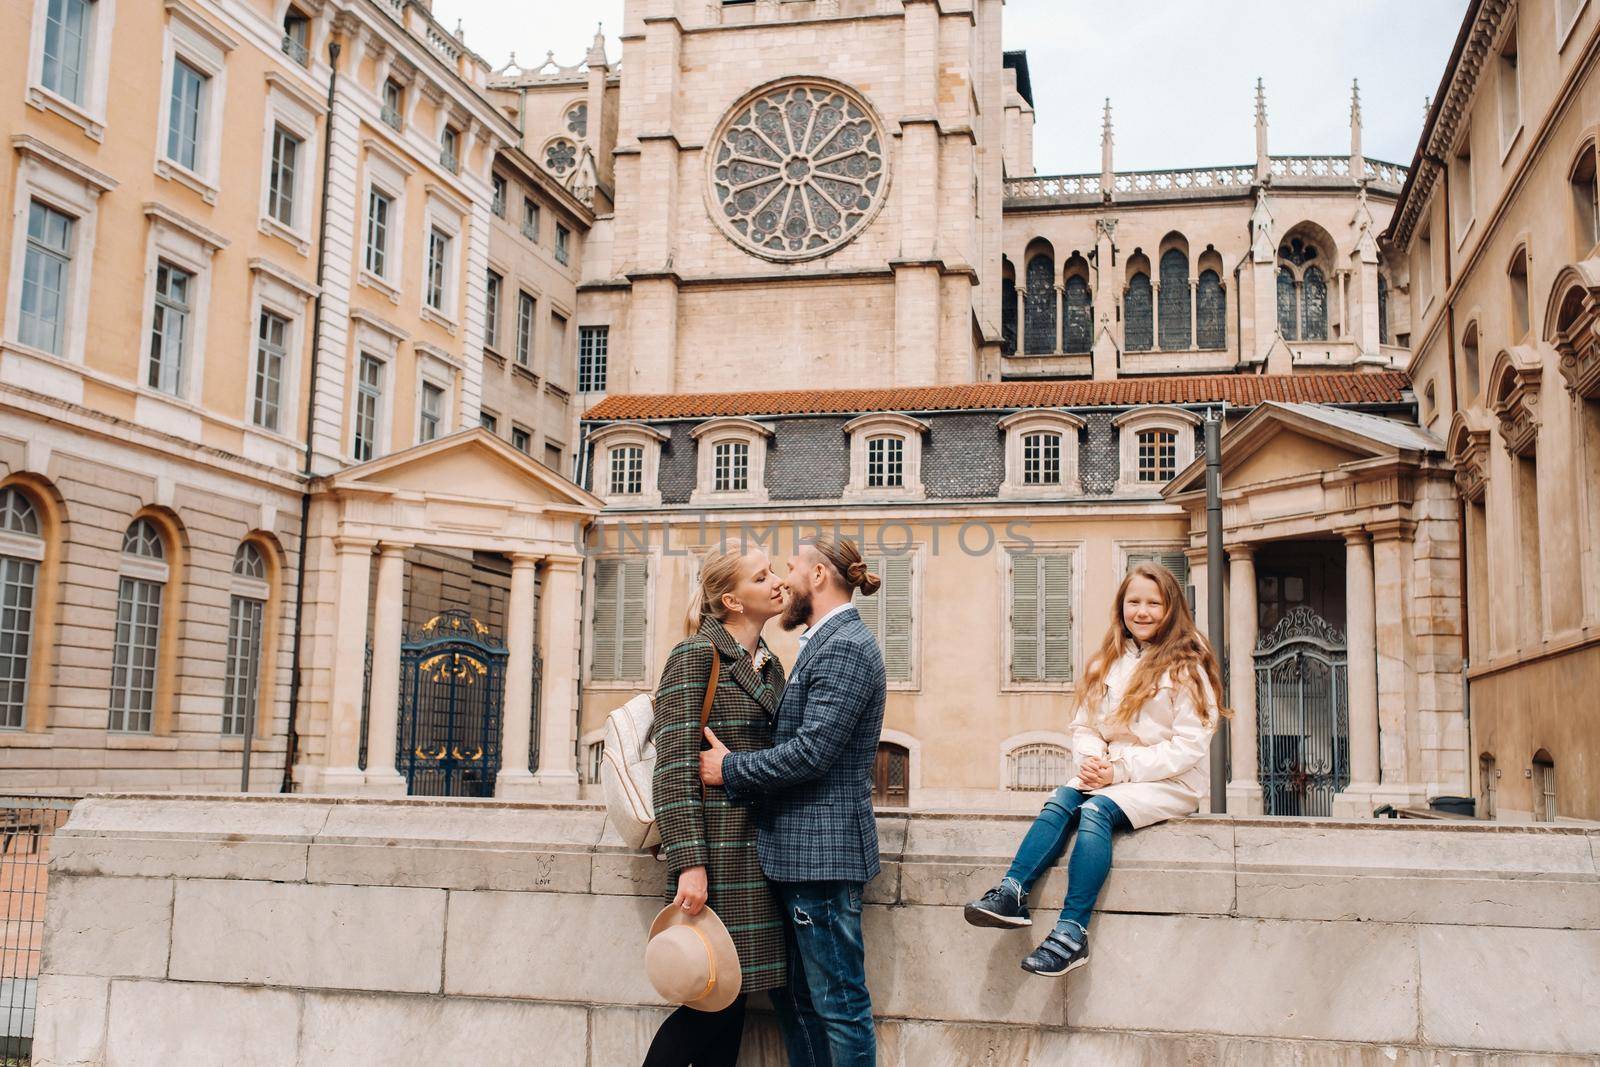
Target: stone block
[556,946]
[1282,988]
[201,1024]
[358,1029]
[623,1035]
[442,866]
[1379,872]
[70,1020]
[925,963]
[108,927]
[314,936]
[626,873]
[1495,987]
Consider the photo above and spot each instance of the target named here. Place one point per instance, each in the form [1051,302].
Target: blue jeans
[1097,817]
[825,1012]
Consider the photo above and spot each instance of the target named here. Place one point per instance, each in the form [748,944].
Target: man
[815,831]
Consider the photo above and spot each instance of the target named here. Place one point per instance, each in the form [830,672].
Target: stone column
[1059,296]
[1194,313]
[1155,312]
[1244,787]
[342,772]
[1355,801]
[515,724]
[1391,550]
[388,630]
[558,644]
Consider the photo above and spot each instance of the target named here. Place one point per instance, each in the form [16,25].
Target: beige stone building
[1498,227]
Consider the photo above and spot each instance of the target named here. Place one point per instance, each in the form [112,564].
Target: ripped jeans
[825,1012]
[1095,817]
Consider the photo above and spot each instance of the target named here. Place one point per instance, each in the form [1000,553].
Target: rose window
[798,169]
[560,155]
[578,119]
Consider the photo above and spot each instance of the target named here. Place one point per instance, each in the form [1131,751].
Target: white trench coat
[1161,760]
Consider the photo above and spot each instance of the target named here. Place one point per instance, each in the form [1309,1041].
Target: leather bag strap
[705,704]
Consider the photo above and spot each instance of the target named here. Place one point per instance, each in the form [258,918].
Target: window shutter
[1056,617]
[603,658]
[1025,619]
[635,609]
[887,614]
[1174,559]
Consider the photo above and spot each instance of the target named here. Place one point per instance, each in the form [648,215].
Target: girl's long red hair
[1177,650]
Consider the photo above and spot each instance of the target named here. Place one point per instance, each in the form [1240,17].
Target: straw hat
[691,959]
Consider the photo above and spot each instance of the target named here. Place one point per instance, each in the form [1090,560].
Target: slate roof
[1239,390]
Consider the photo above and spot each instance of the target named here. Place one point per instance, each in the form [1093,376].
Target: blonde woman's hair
[845,559]
[719,574]
[1177,650]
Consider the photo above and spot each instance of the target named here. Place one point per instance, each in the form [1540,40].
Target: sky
[1180,74]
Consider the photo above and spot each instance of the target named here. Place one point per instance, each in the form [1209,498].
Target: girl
[1141,735]
[708,844]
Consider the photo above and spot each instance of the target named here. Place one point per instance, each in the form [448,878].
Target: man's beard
[797,611]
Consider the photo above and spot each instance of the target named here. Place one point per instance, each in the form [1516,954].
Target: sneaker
[1055,957]
[1001,906]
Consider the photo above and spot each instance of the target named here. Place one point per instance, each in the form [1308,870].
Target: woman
[709,845]
[1141,734]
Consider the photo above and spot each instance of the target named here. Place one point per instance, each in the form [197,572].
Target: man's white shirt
[846,606]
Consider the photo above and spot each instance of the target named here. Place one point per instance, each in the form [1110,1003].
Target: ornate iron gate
[1302,715]
[452,683]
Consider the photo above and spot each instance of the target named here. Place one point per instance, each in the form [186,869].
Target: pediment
[1279,440]
[472,464]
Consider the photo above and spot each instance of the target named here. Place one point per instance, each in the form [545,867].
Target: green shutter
[1025,665]
[1055,613]
[603,657]
[887,614]
[635,615]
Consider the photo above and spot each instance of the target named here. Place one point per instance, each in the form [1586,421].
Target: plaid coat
[714,833]
[812,789]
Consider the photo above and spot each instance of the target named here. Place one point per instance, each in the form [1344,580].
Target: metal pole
[1214,612]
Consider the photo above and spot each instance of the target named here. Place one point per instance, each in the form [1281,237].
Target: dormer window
[731,462]
[1041,454]
[627,457]
[297,36]
[885,457]
[1156,443]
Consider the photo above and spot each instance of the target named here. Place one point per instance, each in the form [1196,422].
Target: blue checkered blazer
[812,790]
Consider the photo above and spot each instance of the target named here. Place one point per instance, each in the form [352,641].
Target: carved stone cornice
[1572,326]
[1469,454]
[1514,387]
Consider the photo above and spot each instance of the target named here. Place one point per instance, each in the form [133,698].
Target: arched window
[1211,312]
[1517,290]
[1313,306]
[21,553]
[1544,787]
[136,645]
[1037,768]
[1041,453]
[1136,310]
[1383,310]
[1039,327]
[1008,311]
[1585,201]
[1080,315]
[1471,370]
[247,609]
[891,776]
[885,456]
[1288,305]
[1488,787]
[1175,334]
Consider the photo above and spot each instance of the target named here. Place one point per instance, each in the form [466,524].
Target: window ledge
[617,685]
[273,228]
[1036,687]
[438,318]
[525,371]
[1063,491]
[714,497]
[45,100]
[142,741]
[175,172]
[1510,143]
[1465,232]
[369,280]
[24,739]
[631,501]
[886,495]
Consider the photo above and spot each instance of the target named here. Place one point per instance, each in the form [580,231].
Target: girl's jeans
[1096,817]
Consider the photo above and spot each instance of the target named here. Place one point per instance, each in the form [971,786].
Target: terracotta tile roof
[1240,390]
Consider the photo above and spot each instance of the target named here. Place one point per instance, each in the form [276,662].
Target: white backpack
[628,765]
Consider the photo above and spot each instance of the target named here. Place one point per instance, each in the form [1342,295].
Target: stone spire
[1107,173]
[597,49]
[1263,161]
[1358,163]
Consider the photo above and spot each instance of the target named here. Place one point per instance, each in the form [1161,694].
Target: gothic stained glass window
[797,170]
[1080,315]
[1039,323]
[1383,311]
[578,119]
[1313,306]
[1008,316]
[1174,300]
[1211,312]
[560,156]
[1288,306]
[1136,311]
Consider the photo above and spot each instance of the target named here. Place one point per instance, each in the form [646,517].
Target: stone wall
[276,930]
